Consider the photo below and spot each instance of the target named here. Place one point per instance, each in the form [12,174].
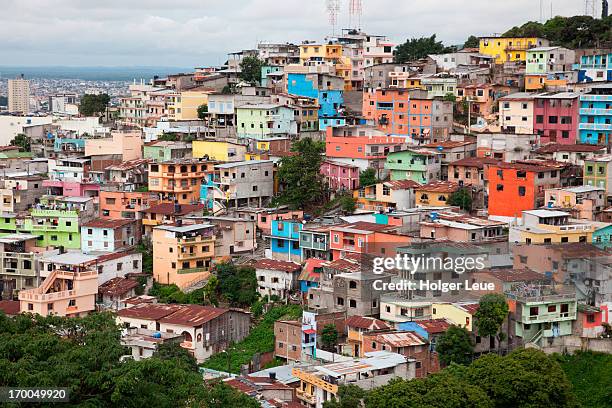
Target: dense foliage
[491,313]
[250,69]
[570,32]
[526,378]
[348,204]
[83,355]
[455,346]
[472,42]
[173,294]
[368,177]
[591,375]
[260,340]
[461,198]
[23,142]
[202,111]
[416,48]
[237,284]
[301,176]
[329,338]
[92,105]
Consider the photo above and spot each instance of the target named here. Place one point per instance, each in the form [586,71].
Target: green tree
[524,378]
[368,177]
[301,176]
[455,346]
[169,137]
[23,142]
[491,313]
[472,42]
[92,105]
[450,97]
[329,337]
[442,390]
[416,48]
[237,284]
[250,69]
[210,290]
[202,111]
[348,204]
[349,396]
[461,198]
[173,351]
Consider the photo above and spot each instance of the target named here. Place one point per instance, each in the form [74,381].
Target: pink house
[72,188]
[555,117]
[340,176]
[264,219]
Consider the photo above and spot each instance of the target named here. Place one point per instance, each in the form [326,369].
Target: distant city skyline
[201,32]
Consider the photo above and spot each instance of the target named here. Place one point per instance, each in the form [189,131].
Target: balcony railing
[31,295]
[192,270]
[595,111]
[596,98]
[594,126]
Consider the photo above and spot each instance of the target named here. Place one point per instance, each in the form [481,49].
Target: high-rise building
[19,95]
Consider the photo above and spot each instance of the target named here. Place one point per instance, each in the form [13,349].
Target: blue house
[207,192]
[327,89]
[595,125]
[285,240]
[595,68]
[311,274]
[602,237]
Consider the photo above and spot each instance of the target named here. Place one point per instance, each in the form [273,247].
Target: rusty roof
[366,323]
[130,164]
[399,339]
[475,162]
[434,325]
[471,308]
[514,275]
[117,286]
[537,168]
[107,223]
[148,311]
[9,307]
[276,265]
[450,144]
[401,184]
[193,315]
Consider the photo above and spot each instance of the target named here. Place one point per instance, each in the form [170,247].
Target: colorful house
[183,254]
[435,193]
[542,60]
[314,242]
[310,275]
[106,235]
[365,238]
[516,187]
[264,120]
[387,196]
[555,117]
[218,150]
[419,165]
[285,240]
[179,181]
[595,68]
[595,125]
[516,113]
[598,172]
[509,49]
[550,227]
[340,176]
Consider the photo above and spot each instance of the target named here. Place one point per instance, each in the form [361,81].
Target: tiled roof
[515,275]
[579,148]
[400,339]
[367,323]
[276,265]
[148,311]
[440,187]
[471,308]
[449,144]
[475,162]
[9,307]
[308,272]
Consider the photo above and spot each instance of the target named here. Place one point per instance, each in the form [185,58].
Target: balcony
[304,396]
[31,295]
[192,270]
[596,98]
[594,126]
[594,111]
[548,317]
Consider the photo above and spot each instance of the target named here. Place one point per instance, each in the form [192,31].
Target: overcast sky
[190,33]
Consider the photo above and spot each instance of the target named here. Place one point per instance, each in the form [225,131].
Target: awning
[310,331]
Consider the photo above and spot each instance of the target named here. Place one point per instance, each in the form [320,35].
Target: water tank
[433,215]
[157,335]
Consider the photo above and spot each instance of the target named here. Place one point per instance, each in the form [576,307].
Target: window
[340,301]
[352,303]
[534,311]
[119,266]
[552,119]
[552,308]
[521,191]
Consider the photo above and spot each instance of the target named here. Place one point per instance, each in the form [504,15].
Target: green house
[420,165]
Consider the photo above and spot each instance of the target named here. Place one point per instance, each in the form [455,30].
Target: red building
[516,187]
[555,117]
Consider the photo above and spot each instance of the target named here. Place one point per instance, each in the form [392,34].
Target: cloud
[198,32]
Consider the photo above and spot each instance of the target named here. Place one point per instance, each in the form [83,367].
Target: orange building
[182,254]
[402,112]
[365,238]
[517,187]
[116,205]
[180,181]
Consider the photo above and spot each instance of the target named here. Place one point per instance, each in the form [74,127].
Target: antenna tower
[333,7]
[355,11]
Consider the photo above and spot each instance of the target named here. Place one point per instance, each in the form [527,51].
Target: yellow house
[551,227]
[218,150]
[459,314]
[320,52]
[505,49]
[435,194]
[535,82]
[184,106]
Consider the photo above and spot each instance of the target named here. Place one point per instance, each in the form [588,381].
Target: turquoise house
[285,240]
